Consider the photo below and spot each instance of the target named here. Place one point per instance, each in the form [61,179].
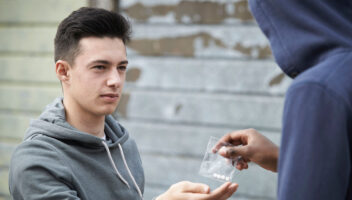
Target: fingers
[234,138]
[197,191]
[241,164]
[232,189]
[233,152]
[220,143]
[223,192]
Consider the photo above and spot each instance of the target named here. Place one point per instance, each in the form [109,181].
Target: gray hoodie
[57,161]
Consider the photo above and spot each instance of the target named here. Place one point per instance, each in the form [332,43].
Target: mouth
[110,97]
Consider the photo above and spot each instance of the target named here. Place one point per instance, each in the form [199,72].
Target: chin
[102,110]
[108,111]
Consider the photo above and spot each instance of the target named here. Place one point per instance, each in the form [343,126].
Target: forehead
[107,48]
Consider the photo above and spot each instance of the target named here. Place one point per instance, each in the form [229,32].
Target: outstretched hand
[197,191]
[251,146]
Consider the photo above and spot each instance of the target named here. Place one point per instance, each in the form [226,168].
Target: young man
[75,149]
[312,42]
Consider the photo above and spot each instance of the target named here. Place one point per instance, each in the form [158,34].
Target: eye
[99,67]
[122,68]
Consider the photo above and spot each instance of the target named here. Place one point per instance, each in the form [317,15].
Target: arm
[314,156]
[251,146]
[36,172]
[187,190]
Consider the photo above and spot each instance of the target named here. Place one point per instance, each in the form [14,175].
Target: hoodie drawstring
[125,163]
[113,164]
[129,171]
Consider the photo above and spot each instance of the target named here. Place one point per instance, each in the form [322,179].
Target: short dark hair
[87,22]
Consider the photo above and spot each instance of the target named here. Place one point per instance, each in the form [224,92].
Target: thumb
[233,152]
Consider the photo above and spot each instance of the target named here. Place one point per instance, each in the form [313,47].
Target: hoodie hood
[52,122]
[302,33]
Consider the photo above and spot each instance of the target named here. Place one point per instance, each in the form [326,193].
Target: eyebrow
[105,62]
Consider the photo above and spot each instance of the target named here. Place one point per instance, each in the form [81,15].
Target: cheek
[83,86]
[123,78]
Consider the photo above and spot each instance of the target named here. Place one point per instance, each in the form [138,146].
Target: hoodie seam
[60,156]
[334,95]
[333,53]
[276,33]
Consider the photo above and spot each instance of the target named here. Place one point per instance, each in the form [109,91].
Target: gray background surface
[197,69]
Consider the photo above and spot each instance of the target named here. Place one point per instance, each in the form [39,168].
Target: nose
[114,79]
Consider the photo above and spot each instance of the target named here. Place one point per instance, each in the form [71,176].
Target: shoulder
[329,78]
[36,157]
[36,166]
[35,152]
[36,142]
[333,71]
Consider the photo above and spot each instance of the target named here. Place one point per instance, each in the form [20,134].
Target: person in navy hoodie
[312,43]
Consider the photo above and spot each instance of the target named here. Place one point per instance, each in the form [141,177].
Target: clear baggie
[215,166]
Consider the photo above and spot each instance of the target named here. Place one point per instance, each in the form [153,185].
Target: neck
[83,120]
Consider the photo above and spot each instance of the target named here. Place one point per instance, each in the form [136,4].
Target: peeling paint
[143,13]
[133,74]
[254,51]
[188,45]
[242,12]
[123,104]
[277,79]
[178,46]
[202,12]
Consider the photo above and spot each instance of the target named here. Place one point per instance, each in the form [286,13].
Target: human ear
[62,71]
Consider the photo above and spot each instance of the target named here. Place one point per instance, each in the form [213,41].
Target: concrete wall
[197,69]
[27,70]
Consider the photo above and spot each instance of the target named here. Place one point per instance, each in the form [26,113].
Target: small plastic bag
[215,166]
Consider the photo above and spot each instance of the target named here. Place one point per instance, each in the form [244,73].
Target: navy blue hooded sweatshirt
[312,42]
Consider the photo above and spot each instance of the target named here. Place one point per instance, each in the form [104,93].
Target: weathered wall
[27,70]
[197,69]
